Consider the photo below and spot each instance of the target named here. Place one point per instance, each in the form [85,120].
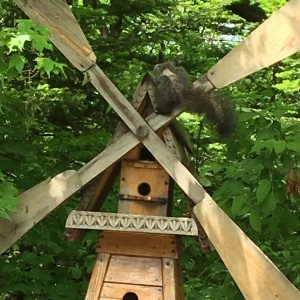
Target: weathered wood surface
[36,203]
[40,200]
[131,223]
[169,279]
[98,275]
[277,38]
[257,277]
[138,244]
[151,173]
[116,291]
[134,270]
[65,32]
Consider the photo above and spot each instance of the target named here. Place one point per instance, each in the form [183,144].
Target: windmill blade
[36,203]
[65,32]
[256,276]
[277,38]
[42,199]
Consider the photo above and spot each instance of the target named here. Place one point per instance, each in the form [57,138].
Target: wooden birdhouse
[144,188]
[138,254]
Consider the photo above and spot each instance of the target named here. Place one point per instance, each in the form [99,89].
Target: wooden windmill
[256,276]
[138,255]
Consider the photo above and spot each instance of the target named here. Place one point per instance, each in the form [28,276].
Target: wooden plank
[65,32]
[131,223]
[169,279]
[43,198]
[117,291]
[142,208]
[277,38]
[97,277]
[138,244]
[257,277]
[134,270]
[36,203]
[135,175]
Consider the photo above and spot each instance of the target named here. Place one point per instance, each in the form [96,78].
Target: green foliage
[25,36]
[8,199]
[50,122]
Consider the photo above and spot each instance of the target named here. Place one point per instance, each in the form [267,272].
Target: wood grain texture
[116,291]
[134,174]
[169,279]
[277,38]
[138,244]
[134,270]
[257,277]
[65,32]
[143,208]
[98,275]
[36,203]
[131,223]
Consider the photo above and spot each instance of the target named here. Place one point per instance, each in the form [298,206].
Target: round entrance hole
[144,189]
[130,296]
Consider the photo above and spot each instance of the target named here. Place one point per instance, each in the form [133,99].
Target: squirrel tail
[219,112]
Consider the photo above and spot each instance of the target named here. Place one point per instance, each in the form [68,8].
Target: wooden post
[98,275]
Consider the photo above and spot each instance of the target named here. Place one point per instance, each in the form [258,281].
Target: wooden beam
[131,223]
[169,279]
[65,32]
[277,38]
[98,275]
[257,277]
[36,203]
[138,244]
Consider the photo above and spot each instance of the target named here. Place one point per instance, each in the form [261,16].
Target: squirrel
[172,88]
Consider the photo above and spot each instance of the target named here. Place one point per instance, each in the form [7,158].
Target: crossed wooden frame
[256,276]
